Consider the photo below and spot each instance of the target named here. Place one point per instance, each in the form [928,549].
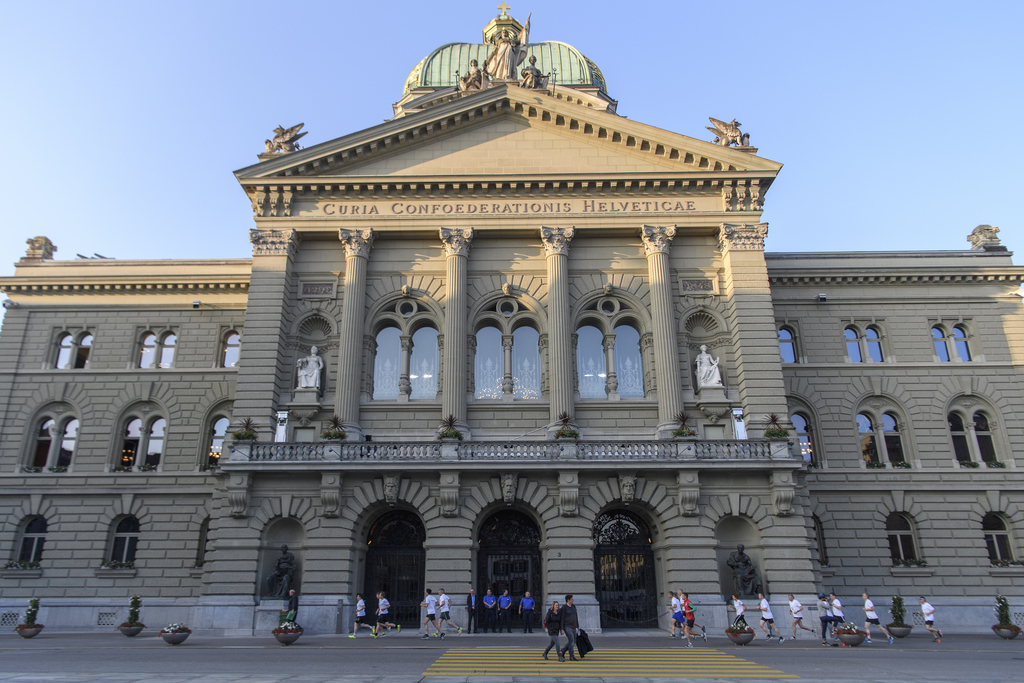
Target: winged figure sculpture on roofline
[284,139]
[727,134]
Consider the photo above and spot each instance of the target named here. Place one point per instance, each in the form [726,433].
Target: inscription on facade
[697,285]
[317,290]
[507,208]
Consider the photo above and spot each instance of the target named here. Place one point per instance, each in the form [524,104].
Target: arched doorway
[624,571]
[395,562]
[508,558]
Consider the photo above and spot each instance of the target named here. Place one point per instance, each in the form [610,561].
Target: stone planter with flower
[133,627]
[898,628]
[335,430]
[1005,629]
[449,430]
[287,632]
[175,634]
[740,635]
[849,634]
[684,432]
[565,430]
[30,628]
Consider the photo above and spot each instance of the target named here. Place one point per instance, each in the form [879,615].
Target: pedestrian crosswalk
[626,662]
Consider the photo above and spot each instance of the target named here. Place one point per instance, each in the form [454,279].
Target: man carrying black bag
[583,643]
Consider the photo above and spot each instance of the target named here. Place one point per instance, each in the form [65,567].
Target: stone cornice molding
[893,278]
[357,242]
[556,240]
[456,241]
[657,238]
[274,242]
[21,285]
[742,236]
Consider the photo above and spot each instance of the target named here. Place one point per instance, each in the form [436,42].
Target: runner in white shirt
[929,620]
[361,620]
[871,617]
[430,602]
[382,616]
[444,608]
[797,610]
[740,608]
[768,619]
[838,619]
[675,614]
[825,615]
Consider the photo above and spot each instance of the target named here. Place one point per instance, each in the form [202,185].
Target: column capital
[357,242]
[556,240]
[456,240]
[742,236]
[657,238]
[273,242]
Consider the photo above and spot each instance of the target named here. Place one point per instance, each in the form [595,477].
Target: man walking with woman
[553,624]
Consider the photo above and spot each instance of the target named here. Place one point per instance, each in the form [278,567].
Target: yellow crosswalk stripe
[504,661]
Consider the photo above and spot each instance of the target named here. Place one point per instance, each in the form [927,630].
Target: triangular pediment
[509,131]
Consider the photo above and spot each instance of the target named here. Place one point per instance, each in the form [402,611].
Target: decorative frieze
[689,493]
[568,493]
[357,242]
[456,241]
[556,240]
[627,488]
[742,236]
[238,493]
[657,238]
[783,491]
[273,242]
[391,484]
[449,494]
[330,494]
[509,484]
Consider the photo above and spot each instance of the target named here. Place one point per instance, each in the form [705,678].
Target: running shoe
[459,632]
[398,629]
[703,634]
[441,636]
[352,635]
[374,635]
[689,645]
[424,637]
[891,640]
[768,637]
[781,639]
[389,629]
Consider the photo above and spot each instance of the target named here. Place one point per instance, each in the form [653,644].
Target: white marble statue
[309,370]
[708,374]
[509,52]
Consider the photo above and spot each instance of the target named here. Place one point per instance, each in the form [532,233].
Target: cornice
[1008,276]
[141,285]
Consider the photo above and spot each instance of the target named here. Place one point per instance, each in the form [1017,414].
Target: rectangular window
[868,450]
[963,453]
[987,448]
[894,447]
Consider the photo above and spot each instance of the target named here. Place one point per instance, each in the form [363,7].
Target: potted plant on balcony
[449,430]
[684,431]
[287,632]
[1005,629]
[30,628]
[850,635]
[898,628]
[565,430]
[741,635]
[773,428]
[247,430]
[335,430]
[133,626]
[175,634]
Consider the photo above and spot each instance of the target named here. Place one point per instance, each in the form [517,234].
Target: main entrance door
[624,570]
[508,558]
[395,562]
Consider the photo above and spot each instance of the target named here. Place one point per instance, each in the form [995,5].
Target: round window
[406,308]
[608,306]
[507,307]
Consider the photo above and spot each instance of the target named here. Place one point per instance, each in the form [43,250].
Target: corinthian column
[346,402]
[556,246]
[657,241]
[453,385]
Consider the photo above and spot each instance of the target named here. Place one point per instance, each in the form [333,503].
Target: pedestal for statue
[712,402]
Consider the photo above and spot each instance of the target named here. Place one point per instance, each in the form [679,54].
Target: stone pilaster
[748,303]
[456,243]
[556,246]
[657,241]
[346,403]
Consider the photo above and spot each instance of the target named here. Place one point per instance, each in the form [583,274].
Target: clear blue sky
[899,123]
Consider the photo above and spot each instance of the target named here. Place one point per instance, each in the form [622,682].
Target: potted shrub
[175,634]
[683,431]
[898,628]
[565,430]
[246,431]
[850,635]
[449,431]
[30,628]
[1005,628]
[335,430]
[287,632]
[741,635]
[133,626]
[773,428]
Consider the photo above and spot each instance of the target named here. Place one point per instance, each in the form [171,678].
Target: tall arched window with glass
[893,439]
[423,364]
[71,353]
[125,541]
[802,428]
[852,344]
[526,363]
[959,436]
[628,366]
[997,539]
[873,339]
[54,445]
[142,446]
[489,366]
[591,366]
[168,345]
[902,547]
[44,441]
[868,446]
[787,345]
[65,351]
[231,351]
[148,352]
[986,443]
[387,364]
[963,349]
[217,435]
[939,341]
[32,540]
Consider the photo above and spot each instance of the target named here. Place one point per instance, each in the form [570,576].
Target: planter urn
[287,638]
[1006,633]
[174,638]
[900,631]
[851,639]
[29,632]
[130,631]
[740,638]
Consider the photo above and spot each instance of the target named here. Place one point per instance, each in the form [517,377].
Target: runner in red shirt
[691,620]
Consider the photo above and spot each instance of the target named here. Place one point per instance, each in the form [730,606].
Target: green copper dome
[567,65]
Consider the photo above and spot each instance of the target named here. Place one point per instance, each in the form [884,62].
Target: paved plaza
[405,658]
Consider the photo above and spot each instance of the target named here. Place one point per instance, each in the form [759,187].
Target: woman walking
[553,623]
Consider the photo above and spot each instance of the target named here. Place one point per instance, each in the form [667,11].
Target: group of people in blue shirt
[493,612]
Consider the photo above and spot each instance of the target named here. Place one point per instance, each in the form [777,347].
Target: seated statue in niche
[745,580]
[708,374]
[309,370]
[280,581]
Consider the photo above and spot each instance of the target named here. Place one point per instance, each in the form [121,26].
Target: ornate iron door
[395,564]
[624,571]
[509,559]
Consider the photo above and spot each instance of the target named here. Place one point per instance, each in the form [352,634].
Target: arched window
[628,364]
[142,446]
[148,354]
[852,345]
[125,541]
[423,364]
[32,540]
[155,442]
[997,539]
[866,432]
[802,428]
[44,440]
[65,351]
[526,363]
[590,362]
[874,344]
[787,345]
[959,436]
[67,443]
[232,347]
[157,353]
[893,440]
[960,342]
[167,346]
[902,547]
[84,349]
[489,370]
[54,443]
[939,341]
[983,433]
[387,364]
[819,537]
[130,443]
[217,435]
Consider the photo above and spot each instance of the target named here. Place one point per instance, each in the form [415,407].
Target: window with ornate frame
[864,343]
[33,537]
[883,437]
[142,443]
[73,351]
[157,350]
[610,352]
[902,539]
[974,435]
[406,353]
[215,442]
[125,540]
[53,442]
[506,353]
[787,345]
[804,431]
[952,342]
[997,538]
[231,348]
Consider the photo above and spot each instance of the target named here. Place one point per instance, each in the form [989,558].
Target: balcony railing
[540,451]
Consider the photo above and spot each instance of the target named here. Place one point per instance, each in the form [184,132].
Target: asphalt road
[404,658]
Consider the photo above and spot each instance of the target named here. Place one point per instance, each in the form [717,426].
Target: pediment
[509,131]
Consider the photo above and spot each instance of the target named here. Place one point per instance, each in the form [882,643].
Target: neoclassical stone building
[505,252]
